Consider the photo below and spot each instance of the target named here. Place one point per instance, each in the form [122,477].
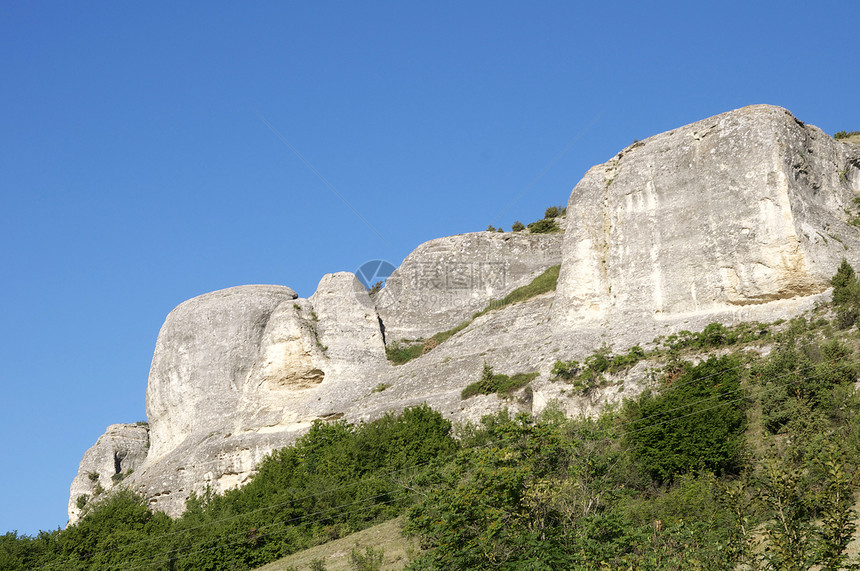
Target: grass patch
[445,335]
[400,353]
[336,555]
[492,383]
[544,283]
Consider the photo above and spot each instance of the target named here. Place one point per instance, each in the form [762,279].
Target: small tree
[518,226]
[846,295]
[370,560]
[552,212]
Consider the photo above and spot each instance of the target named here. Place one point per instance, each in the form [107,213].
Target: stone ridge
[739,217]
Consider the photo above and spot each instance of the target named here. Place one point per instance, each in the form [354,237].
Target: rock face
[737,211]
[445,281]
[120,451]
[743,216]
[203,356]
[240,372]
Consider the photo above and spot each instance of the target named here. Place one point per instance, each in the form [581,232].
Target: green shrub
[846,295]
[552,212]
[491,383]
[370,560]
[399,353]
[845,134]
[375,289]
[518,226]
[695,423]
[545,226]
[565,369]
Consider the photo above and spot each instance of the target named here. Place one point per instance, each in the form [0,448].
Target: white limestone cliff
[742,216]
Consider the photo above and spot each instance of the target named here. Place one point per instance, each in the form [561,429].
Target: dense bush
[552,212]
[695,423]
[518,226]
[336,479]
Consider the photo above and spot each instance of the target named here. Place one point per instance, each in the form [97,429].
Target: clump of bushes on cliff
[589,374]
[846,134]
[497,383]
[547,225]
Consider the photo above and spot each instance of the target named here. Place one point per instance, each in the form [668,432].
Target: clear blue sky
[137,169]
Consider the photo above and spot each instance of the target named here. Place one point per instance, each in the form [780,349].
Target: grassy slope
[335,554]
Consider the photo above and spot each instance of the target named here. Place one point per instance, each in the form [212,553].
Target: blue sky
[137,167]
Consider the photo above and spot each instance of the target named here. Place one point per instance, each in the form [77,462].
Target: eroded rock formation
[743,216]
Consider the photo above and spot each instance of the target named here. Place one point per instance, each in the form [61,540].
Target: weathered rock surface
[203,356]
[739,211]
[240,372]
[743,216]
[445,281]
[117,453]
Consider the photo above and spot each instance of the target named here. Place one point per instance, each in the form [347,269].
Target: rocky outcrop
[724,217]
[203,356]
[445,281]
[240,372]
[115,456]
[743,216]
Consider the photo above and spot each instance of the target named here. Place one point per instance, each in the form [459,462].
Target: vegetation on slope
[336,479]
[740,461]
